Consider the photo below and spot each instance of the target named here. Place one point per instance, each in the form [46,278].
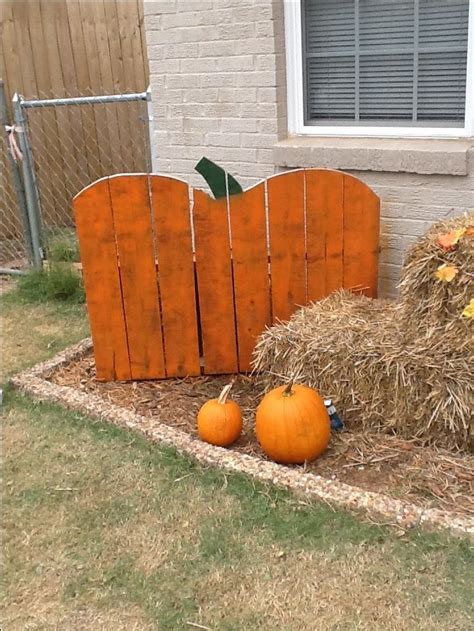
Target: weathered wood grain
[361,236]
[133,233]
[250,267]
[324,231]
[214,279]
[96,234]
[256,262]
[287,243]
[170,205]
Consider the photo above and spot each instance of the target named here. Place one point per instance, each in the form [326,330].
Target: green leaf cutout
[215,176]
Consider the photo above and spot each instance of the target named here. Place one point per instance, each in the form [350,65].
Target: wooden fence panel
[250,265]
[214,279]
[287,243]
[170,203]
[136,258]
[96,235]
[75,48]
[317,231]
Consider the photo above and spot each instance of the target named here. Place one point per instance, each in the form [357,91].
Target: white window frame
[295,92]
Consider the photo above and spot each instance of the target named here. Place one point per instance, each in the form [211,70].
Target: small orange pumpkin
[292,424]
[220,420]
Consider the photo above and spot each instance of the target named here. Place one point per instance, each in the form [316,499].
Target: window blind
[385,62]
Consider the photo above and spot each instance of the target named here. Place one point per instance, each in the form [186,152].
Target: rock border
[377,506]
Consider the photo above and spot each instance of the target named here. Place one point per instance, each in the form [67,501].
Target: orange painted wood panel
[250,265]
[132,218]
[94,223]
[170,203]
[287,243]
[361,236]
[324,232]
[214,277]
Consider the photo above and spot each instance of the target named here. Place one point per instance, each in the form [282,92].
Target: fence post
[151,133]
[17,181]
[31,190]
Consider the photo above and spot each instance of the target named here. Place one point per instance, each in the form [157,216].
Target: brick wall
[217,72]
[218,84]
[410,203]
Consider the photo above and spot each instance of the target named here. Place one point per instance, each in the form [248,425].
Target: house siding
[217,73]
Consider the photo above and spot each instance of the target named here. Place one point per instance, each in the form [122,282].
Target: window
[380,67]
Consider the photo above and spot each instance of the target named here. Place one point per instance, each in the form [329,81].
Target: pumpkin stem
[225,392]
[287,392]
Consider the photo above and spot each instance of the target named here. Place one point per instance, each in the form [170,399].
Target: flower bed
[390,479]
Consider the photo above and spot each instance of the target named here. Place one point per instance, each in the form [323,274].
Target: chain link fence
[13,253]
[68,143]
[14,229]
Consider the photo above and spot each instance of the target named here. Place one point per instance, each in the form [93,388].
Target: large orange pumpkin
[220,420]
[292,424]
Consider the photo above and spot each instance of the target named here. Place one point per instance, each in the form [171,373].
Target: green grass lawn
[104,530]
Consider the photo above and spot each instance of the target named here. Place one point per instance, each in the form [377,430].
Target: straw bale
[401,367]
[422,295]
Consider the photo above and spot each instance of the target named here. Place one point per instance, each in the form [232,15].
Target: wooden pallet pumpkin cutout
[175,289]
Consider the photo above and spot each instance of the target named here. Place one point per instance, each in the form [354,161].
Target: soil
[425,475]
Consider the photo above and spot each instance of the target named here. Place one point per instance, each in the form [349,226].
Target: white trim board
[294,67]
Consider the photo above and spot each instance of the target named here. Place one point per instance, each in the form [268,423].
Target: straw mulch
[404,367]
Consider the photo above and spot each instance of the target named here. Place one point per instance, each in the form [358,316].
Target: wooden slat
[132,220]
[127,126]
[251,274]
[76,122]
[136,36]
[132,35]
[88,12]
[142,69]
[170,202]
[18,14]
[107,87]
[109,49]
[43,123]
[134,81]
[11,66]
[287,243]
[361,236]
[80,54]
[324,228]
[63,153]
[102,281]
[214,277]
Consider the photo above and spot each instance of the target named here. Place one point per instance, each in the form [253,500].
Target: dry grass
[403,367]
[31,332]
[104,530]
[305,590]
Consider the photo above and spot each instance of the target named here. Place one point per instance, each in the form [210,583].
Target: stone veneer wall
[217,72]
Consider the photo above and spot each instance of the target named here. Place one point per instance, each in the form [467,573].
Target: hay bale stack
[426,298]
[403,367]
